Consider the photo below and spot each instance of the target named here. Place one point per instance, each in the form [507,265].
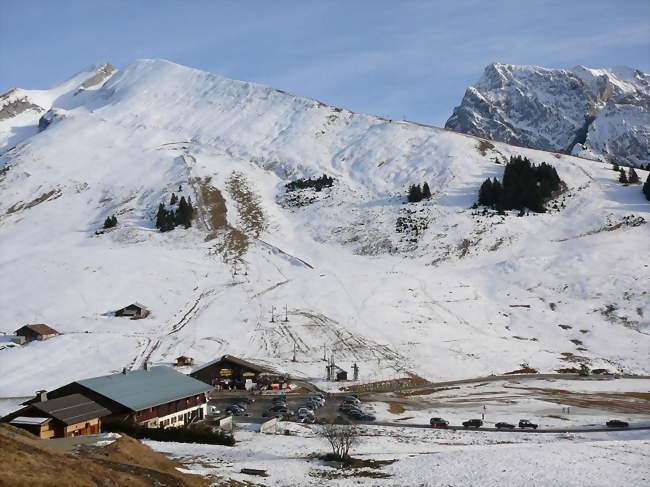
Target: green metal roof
[142,389]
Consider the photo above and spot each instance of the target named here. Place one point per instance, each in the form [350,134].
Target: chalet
[184,361]
[36,332]
[154,396]
[228,372]
[134,311]
[66,416]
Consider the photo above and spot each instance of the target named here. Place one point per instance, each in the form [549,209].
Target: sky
[401,59]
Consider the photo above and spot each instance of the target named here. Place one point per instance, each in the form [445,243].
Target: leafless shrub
[341,438]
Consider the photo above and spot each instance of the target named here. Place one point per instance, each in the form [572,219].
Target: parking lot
[328,413]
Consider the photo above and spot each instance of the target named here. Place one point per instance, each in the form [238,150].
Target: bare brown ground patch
[388,385]
[248,204]
[232,243]
[396,408]
[620,402]
[425,392]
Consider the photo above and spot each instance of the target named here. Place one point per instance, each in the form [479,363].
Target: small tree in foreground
[341,438]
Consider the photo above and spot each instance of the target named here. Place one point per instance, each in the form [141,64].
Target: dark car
[241,405]
[473,423]
[278,409]
[504,425]
[234,408]
[438,423]
[367,417]
[524,423]
[354,413]
[616,423]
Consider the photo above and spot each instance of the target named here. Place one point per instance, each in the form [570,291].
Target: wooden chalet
[66,416]
[134,311]
[36,332]
[230,372]
[183,361]
[154,396]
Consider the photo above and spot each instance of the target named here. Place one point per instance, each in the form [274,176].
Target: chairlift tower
[272,314]
[286,314]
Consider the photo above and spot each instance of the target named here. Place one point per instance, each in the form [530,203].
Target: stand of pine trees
[183,214]
[110,221]
[324,181]
[524,185]
[418,193]
[646,188]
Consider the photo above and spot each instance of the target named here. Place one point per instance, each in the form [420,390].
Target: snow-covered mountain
[601,114]
[432,288]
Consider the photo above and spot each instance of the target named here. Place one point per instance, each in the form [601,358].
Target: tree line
[318,184]
[631,177]
[418,193]
[524,185]
[181,213]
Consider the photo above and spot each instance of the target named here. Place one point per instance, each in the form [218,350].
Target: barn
[153,396]
[36,332]
[134,311]
[228,372]
[66,416]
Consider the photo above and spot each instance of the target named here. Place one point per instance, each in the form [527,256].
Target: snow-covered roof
[230,358]
[28,420]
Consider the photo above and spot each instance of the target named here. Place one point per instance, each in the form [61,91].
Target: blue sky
[400,59]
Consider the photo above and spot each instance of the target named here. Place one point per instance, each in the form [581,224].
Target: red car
[438,423]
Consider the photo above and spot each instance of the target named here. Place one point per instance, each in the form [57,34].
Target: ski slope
[437,303]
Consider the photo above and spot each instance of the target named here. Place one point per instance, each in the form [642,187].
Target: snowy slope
[603,114]
[436,302]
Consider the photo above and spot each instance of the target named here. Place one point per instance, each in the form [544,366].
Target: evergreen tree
[646,188]
[173,199]
[426,192]
[633,177]
[497,191]
[160,216]
[183,214]
[622,177]
[485,193]
[189,204]
[114,221]
[180,188]
[615,167]
[107,222]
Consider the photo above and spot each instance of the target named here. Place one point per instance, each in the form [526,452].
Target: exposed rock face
[14,103]
[596,113]
[104,72]
[51,116]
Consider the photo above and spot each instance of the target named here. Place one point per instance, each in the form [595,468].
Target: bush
[318,184]
[187,434]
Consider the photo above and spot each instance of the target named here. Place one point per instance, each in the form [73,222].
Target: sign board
[225,372]
[249,374]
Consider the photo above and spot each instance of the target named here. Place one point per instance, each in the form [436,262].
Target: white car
[302,412]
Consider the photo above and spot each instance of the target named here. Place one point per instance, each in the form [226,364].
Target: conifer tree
[622,177]
[160,216]
[107,222]
[485,193]
[615,167]
[426,192]
[633,177]
[183,214]
[173,199]
[646,188]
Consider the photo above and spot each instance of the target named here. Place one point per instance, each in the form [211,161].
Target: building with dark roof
[36,332]
[229,372]
[134,311]
[154,396]
[71,415]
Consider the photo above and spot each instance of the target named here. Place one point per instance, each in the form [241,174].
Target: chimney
[42,395]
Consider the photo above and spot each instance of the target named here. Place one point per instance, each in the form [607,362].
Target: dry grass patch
[396,408]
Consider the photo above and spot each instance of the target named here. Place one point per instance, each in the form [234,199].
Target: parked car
[241,405]
[354,413]
[504,425]
[349,407]
[240,413]
[319,399]
[351,400]
[367,417]
[308,420]
[313,404]
[233,408]
[278,409]
[438,423]
[524,423]
[304,412]
[617,423]
[473,423]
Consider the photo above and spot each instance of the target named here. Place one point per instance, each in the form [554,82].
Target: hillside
[601,114]
[454,294]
